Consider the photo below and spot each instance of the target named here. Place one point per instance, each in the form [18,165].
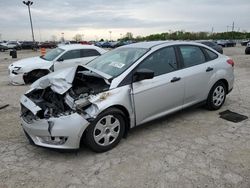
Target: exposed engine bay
[86,83]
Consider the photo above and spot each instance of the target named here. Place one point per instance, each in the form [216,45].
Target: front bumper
[63,132]
[16,79]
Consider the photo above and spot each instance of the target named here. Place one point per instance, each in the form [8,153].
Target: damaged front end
[59,107]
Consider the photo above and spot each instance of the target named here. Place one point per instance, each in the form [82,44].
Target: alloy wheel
[218,95]
[107,130]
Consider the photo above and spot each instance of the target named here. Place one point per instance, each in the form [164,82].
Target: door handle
[175,79]
[209,69]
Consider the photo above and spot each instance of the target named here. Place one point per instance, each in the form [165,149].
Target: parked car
[30,69]
[247,50]
[106,44]
[86,42]
[226,43]
[3,48]
[47,45]
[12,45]
[231,43]
[66,43]
[126,87]
[29,45]
[213,45]
[244,42]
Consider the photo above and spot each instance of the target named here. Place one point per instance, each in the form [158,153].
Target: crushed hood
[59,81]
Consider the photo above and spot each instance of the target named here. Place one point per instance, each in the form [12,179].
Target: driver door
[162,94]
[70,58]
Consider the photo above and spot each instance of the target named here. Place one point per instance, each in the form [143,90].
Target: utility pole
[233,31]
[29,3]
[110,32]
[62,39]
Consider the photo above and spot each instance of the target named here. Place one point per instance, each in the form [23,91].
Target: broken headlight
[16,70]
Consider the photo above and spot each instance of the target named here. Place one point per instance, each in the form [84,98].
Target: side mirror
[143,74]
[60,59]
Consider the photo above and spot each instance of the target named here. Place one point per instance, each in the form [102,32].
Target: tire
[247,51]
[216,96]
[101,136]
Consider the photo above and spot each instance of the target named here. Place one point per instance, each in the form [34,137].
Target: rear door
[162,94]
[197,71]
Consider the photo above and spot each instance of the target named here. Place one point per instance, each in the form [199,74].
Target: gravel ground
[192,148]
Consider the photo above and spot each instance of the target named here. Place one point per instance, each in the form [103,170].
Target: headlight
[15,70]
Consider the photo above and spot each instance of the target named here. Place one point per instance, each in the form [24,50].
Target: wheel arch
[25,75]
[224,81]
[126,117]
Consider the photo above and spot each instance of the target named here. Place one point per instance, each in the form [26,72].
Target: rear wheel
[217,96]
[247,51]
[106,131]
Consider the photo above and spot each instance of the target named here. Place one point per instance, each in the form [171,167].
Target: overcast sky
[95,18]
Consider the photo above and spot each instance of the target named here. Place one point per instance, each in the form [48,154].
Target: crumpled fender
[59,81]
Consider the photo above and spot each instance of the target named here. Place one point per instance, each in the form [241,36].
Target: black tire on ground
[34,75]
[247,51]
[216,96]
[100,130]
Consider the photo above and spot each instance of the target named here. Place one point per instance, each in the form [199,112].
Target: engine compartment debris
[85,84]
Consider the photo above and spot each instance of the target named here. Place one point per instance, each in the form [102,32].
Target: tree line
[182,35]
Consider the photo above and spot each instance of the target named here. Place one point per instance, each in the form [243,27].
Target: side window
[161,62]
[211,55]
[89,53]
[192,55]
[72,54]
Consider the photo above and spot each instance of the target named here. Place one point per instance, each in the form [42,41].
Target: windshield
[52,54]
[116,61]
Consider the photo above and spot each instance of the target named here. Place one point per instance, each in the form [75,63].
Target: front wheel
[106,131]
[217,96]
[34,75]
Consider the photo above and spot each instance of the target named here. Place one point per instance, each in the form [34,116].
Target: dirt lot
[192,148]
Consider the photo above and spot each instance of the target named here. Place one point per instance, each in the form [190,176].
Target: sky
[96,19]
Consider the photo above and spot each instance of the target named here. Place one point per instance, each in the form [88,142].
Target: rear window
[211,55]
[192,55]
[89,53]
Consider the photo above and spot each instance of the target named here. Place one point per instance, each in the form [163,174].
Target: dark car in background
[3,48]
[247,50]
[226,43]
[244,42]
[29,45]
[47,45]
[212,44]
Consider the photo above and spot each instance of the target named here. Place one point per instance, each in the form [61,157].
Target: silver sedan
[98,103]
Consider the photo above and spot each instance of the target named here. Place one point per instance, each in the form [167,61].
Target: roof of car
[152,44]
[77,46]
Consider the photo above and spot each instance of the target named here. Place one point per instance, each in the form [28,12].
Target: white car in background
[29,70]
[12,45]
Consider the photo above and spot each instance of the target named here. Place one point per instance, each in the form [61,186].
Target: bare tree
[77,37]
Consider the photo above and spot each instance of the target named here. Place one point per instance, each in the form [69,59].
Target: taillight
[230,62]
